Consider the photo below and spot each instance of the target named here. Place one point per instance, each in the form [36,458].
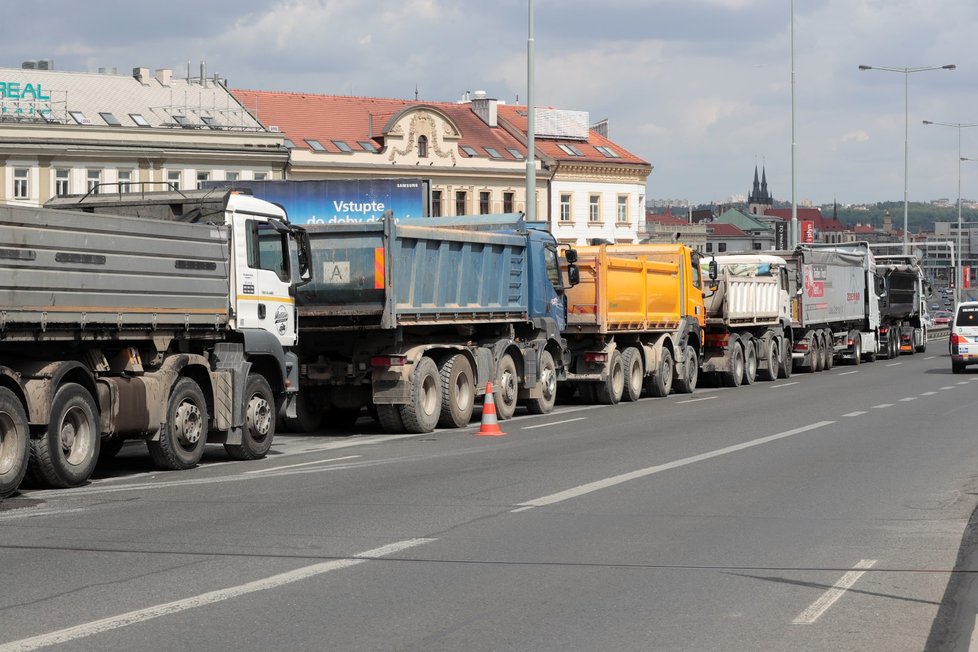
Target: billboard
[808,232]
[340,201]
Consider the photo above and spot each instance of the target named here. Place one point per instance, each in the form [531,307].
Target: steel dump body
[385,275]
[748,292]
[625,292]
[74,273]
[833,286]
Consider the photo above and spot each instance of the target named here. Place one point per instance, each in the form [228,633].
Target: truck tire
[687,383]
[457,391]
[735,374]
[259,428]
[389,417]
[817,353]
[634,375]
[67,451]
[787,360]
[828,344]
[659,384]
[609,392]
[857,347]
[548,380]
[750,362]
[922,346]
[505,389]
[14,442]
[422,412]
[772,360]
[184,433]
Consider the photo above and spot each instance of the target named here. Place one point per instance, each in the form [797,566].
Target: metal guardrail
[938,333]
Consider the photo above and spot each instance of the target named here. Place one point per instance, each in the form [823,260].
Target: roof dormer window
[139,120]
[469,151]
[110,119]
[79,117]
[315,145]
[342,146]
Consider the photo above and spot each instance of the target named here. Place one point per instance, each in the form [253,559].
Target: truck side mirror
[305,255]
[714,271]
[570,255]
[573,274]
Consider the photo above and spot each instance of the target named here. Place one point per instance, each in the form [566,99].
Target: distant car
[935,306]
[964,336]
[941,318]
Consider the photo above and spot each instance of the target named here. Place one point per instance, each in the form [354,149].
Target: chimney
[163,76]
[485,108]
[141,75]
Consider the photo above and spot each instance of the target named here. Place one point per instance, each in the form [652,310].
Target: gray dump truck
[902,291]
[115,327]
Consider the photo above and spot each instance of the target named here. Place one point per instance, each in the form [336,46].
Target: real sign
[808,232]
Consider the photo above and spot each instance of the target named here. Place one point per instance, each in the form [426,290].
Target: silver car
[964,336]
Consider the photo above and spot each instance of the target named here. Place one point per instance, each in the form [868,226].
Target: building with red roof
[473,152]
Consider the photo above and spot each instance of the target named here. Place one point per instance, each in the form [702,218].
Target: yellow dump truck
[635,321]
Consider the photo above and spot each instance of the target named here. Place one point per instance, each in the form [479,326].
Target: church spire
[765,197]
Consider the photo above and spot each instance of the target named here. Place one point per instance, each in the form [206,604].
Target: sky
[701,89]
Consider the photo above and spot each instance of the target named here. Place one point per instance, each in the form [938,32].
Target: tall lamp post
[974,160]
[906,130]
[957,273]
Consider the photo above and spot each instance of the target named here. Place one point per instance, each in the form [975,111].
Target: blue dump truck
[412,320]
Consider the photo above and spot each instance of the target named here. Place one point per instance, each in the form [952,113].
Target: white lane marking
[591,487]
[948,387]
[293,466]
[963,382]
[29,512]
[932,357]
[694,400]
[855,414]
[928,393]
[882,405]
[795,382]
[820,606]
[846,373]
[906,399]
[142,615]
[894,364]
[553,423]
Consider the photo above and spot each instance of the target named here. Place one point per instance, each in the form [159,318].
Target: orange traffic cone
[490,425]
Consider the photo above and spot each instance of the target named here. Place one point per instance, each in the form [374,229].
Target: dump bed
[749,290]
[637,288]
[832,283]
[901,278]
[388,274]
[73,273]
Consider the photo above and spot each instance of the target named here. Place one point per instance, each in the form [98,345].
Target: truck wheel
[772,359]
[183,435]
[422,412]
[817,354]
[67,451]
[922,345]
[548,380]
[389,417]
[14,442]
[259,429]
[828,344]
[750,362]
[505,389]
[787,361]
[609,392]
[457,392]
[735,374]
[857,348]
[631,359]
[659,384]
[687,383]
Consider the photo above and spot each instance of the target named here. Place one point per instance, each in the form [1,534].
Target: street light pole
[906,131]
[960,268]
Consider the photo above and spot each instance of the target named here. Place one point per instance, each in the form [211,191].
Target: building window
[565,207]
[21,188]
[202,177]
[623,209]
[125,180]
[594,209]
[709,247]
[62,185]
[757,246]
[422,147]
[231,176]
[436,203]
[721,247]
[460,202]
[173,179]
[342,146]
[508,202]
[261,176]
[94,179]
[483,203]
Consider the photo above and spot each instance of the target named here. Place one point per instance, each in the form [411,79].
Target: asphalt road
[827,512]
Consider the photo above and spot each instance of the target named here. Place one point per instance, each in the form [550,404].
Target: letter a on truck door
[263,282]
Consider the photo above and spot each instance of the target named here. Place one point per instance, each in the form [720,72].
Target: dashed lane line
[784,385]
[694,400]
[830,597]
[553,423]
[894,364]
[271,469]
[928,393]
[857,413]
[882,405]
[907,399]
[846,373]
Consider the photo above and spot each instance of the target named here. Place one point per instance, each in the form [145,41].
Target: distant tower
[887,221]
[759,199]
